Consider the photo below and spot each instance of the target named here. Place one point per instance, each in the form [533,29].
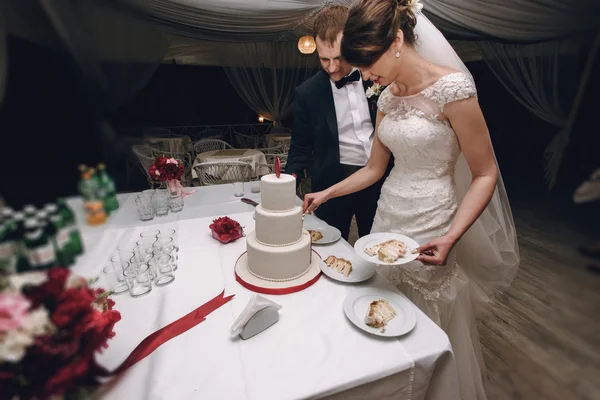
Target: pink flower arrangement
[49,333]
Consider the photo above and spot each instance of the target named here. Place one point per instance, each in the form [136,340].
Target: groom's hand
[436,251]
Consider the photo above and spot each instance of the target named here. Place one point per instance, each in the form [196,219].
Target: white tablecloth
[313,351]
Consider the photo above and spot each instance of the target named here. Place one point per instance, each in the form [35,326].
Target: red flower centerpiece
[226,230]
[51,325]
[167,169]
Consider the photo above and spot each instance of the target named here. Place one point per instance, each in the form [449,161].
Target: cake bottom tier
[279,263]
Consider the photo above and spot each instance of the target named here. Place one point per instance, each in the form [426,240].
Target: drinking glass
[149,193]
[137,277]
[112,279]
[176,202]
[238,189]
[161,202]
[162,267]
[126,254]
[151,233]
[145,207]
[255,186]
[119,266]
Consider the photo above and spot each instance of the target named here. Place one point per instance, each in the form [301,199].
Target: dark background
[47,130]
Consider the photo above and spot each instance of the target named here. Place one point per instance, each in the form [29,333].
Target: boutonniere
[374,90]
[373,93]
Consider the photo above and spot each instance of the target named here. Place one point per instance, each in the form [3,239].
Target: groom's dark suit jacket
[315,143]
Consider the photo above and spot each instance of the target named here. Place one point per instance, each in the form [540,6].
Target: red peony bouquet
[51,325]
[226,230]
[166,169]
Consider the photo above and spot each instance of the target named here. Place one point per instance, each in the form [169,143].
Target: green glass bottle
[18,228]
[61,236]
[75,242]
[8,257]
[111,203]
[39,248]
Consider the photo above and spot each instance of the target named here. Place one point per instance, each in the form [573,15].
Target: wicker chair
[248,141]
[147,154]
[203,145]
[271,158]
[221,172]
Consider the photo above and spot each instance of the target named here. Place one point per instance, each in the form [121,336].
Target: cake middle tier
[279,263]
[278,228]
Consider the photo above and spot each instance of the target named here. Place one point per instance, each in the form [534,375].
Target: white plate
[361,270]
[356,306]
[330,233]
[376,238]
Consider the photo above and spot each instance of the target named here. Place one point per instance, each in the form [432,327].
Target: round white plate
[361,270]
[356,306]
[376,238]
[330,234]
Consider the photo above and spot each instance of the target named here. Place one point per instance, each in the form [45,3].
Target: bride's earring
[397,53]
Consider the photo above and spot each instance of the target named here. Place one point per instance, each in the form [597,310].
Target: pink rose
[13,311]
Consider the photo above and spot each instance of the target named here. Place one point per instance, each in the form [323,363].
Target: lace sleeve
[383,103]
[453,87]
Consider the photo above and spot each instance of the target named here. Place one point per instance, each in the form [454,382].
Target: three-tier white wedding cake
[279,249]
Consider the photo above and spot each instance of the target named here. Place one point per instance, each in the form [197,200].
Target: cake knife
[248,201]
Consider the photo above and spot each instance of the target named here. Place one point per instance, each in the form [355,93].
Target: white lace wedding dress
[419,200]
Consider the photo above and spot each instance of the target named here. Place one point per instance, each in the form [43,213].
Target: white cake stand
[255,284]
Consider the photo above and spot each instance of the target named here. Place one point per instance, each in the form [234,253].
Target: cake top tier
[278,193]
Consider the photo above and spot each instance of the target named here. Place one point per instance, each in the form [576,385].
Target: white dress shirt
[355,129]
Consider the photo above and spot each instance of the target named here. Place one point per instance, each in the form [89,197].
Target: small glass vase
[175,196]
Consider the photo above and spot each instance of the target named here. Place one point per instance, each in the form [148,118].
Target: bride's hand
[312,201]
[436,251]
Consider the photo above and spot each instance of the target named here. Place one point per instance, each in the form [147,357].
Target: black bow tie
[353,77]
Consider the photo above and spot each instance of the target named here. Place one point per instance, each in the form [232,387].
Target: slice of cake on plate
[340,265]
[379,314]
[388,251]
[315,235]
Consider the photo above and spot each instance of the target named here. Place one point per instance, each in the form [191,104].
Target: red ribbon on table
[163,335]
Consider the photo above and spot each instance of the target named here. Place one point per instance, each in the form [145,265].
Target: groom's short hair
[329,22]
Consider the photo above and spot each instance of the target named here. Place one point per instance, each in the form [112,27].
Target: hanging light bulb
[261,119]
[307,45]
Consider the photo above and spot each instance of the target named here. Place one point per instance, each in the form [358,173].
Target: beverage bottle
[29,210]
[92,202]
[18,228]
[61,236]
[70,223]
[110,200]
[38,246]
[8,257]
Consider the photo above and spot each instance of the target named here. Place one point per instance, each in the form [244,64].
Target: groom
[334,127]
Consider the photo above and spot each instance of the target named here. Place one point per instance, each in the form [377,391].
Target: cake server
[248,201]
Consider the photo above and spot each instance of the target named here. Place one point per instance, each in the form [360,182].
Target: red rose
[226,230]
[98,328]
[48,292]
[72,305]
[66,377]
[166,169]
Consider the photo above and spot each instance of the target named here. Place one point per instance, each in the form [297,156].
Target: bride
[445,190]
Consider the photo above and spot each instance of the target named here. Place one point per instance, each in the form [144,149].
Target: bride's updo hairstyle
[371,28]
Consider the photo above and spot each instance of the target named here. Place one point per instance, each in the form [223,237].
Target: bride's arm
[469,124]
[363,178]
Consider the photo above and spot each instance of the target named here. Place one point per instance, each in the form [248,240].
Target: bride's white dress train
[419,200]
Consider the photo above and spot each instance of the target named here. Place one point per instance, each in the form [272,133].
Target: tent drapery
[230,24]
[105,85]
[546,78]
[269,88]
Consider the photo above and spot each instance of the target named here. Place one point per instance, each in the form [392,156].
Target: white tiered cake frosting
[279,249]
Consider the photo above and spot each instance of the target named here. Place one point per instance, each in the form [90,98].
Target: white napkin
[255,304]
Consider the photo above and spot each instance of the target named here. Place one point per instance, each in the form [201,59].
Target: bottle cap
[31,223]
